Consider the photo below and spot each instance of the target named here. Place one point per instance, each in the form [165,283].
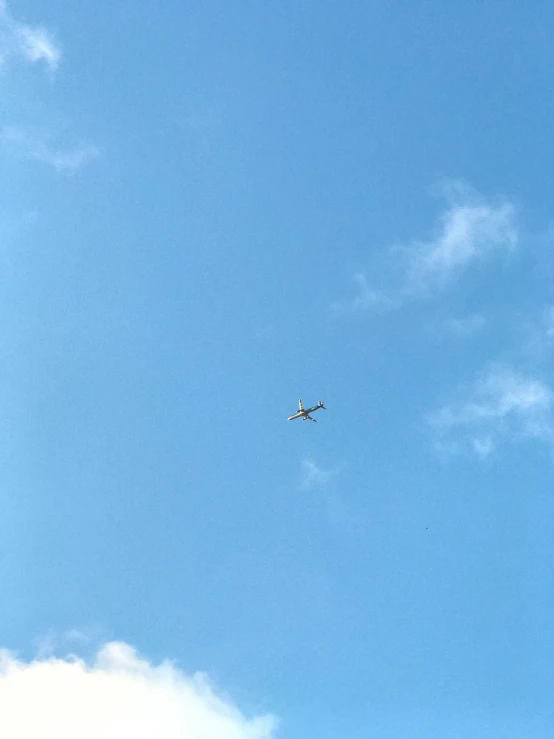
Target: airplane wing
[300,406]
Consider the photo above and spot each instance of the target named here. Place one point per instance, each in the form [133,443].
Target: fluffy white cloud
[31,43]
[502,404]
[471,228]
[34,147]
[117,695]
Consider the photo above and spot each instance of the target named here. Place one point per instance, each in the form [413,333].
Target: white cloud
[471,228]
[501,405]
[31,43]
[312,475]
[34,147]
[118,695]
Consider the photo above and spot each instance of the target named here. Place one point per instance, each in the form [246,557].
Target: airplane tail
[320,404]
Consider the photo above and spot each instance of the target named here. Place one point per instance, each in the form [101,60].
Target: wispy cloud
[467,326]
[482,445]
[502,405]
[463,327]
[31,43]
[32,146]
[471,228]
[53,642]
[366,297]
[117,694]
[34,44]
[312,475]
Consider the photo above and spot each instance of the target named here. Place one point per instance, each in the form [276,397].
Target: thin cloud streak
[33,147]
[31,43]
[465,327]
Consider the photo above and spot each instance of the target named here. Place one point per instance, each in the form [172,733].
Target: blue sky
[209,210]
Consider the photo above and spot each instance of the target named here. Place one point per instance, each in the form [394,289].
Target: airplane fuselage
[305,412]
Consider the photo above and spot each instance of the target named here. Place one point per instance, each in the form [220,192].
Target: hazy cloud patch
[471,228]
[313,475]
[34,146]
[31,43]
[54,642]
[366,297]
[502,405]
[482,446]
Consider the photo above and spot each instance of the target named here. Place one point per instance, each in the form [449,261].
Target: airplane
[305,413]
